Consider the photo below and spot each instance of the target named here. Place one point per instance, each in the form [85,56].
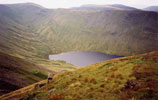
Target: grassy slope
[16,73]
[102,81]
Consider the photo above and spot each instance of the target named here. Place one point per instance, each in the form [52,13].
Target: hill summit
[93,7]
[152,8]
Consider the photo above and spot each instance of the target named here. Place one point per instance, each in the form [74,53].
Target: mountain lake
[82,58]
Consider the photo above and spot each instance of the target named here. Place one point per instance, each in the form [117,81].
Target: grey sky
[74,3]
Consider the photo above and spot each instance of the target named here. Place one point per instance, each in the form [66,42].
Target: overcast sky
[74,3]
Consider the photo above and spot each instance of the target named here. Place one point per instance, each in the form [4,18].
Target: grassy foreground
[127,78]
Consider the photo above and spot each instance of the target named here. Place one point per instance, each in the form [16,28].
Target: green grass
[104,81]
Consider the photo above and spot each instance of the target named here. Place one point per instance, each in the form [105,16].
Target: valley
[35,40]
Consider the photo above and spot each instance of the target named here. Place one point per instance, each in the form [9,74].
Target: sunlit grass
[105,81]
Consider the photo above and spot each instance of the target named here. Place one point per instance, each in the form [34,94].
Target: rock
[36,86]
[131,84]
[42,84]
[39,85]
[51,91]
[106,79]
[50,77]
[75,84]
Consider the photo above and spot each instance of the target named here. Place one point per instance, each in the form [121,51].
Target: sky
[76,3]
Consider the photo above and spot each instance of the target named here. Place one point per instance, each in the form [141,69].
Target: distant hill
[123,7]
[152,8]
[118,32]
[104,7]
[126,78]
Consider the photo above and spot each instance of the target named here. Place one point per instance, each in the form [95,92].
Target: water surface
[82,58]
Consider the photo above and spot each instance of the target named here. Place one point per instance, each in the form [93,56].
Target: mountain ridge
[47,26]
[93,7]
[151,8]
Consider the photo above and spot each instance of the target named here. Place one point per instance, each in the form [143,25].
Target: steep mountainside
[127,78]
[119,32]
[111,32]
[152,8]
[16,39]
[19,40]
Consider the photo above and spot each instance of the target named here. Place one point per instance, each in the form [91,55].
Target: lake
[82,58]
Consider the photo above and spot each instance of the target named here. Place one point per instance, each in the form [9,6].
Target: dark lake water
[82,58]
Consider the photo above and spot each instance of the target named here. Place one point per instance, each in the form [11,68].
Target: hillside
[48,31]
[126,78]
[17,40]
[152,8]
[16,73]
[111,32]
[21,54]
